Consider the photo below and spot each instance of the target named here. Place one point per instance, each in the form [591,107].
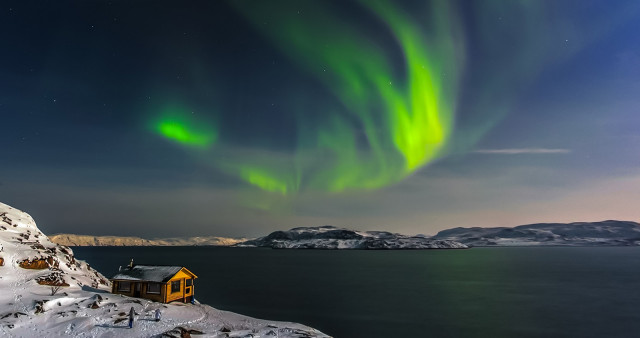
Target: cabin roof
[150,273]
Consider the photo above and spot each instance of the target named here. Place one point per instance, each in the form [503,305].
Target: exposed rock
[39,263]
[53,279]
[179,332]
[37,246]
[67,313]
[97,299]
[39,307]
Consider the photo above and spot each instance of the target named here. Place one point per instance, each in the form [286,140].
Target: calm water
[481,292]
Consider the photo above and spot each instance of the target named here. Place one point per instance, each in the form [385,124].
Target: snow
[85,308]
[151,273]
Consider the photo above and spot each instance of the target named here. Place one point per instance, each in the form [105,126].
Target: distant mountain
[329,237]
[606,233]
[86,240]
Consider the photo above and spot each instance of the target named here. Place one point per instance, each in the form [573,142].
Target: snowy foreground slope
[606,233]
[31,267]
[330,237]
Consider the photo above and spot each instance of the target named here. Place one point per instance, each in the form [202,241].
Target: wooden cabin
[159,283]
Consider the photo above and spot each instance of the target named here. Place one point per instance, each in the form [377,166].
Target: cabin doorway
[136,292]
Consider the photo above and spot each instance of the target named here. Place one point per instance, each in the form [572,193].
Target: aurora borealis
[387,122]
[251,115]
[405,119]
[176,125]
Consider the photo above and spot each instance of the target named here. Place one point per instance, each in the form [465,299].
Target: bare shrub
[55,289]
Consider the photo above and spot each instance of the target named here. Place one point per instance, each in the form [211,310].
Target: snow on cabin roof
[148,273]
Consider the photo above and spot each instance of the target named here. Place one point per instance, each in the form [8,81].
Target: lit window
[175,286]
[153,288]
[124,286]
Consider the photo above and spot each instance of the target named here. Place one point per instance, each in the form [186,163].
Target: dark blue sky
[541,97]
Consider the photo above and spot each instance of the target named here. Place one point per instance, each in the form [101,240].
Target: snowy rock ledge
[46,292]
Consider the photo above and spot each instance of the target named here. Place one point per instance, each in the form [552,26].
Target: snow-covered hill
[29,255]
[87,240]
[46,292]
[606,233]
[330,237]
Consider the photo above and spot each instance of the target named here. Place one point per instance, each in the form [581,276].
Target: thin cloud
[517,151]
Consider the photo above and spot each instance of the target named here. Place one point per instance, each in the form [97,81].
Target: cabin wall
[156,297]
[183,289]
[143,291]
[181,275]
[114,289]
[171,296]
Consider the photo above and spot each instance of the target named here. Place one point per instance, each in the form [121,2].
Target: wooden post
[184,291]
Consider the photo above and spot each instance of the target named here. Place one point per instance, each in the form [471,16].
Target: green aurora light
[394,108]
[406,118]
[180,127]
[393,80]
[264,180]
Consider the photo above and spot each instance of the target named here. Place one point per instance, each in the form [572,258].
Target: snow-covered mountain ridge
[46,292]
[605,233]
[88,240]
[330,237]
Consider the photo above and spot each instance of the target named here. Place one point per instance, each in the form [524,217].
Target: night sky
[237,118]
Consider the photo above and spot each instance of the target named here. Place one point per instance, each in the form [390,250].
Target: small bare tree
[55,289]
